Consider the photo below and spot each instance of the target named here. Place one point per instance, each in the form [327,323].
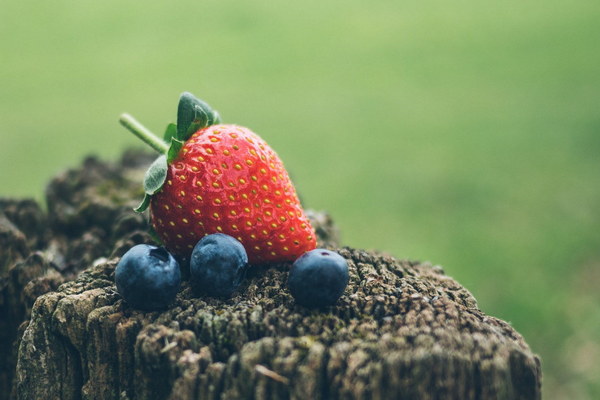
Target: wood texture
[402,330]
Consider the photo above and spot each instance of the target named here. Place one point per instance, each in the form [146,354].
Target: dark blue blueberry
[218,265]
[318,278]
[148,277]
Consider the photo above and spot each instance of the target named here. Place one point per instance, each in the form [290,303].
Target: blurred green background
[464,133]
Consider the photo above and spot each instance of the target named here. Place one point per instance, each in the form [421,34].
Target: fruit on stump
[318,278]
[148,277]
[218,265]
[219,178]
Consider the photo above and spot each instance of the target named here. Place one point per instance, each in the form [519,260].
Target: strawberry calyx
[192,114]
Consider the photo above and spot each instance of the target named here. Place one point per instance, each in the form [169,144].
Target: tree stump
[402,329]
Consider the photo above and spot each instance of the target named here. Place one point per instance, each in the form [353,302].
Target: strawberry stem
[143,133]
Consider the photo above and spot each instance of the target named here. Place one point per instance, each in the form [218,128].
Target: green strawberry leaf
[144,204]
[193,114]
[216,117]
[153,181]
[170,132]
[174,149]
[156,175]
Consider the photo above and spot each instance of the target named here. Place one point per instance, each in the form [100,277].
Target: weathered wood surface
[88,214]
[402,329]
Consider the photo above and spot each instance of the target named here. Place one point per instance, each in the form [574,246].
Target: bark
[89,210]
[401,330]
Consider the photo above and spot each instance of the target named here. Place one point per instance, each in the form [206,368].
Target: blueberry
[318,278]
[218,265]
[148,277]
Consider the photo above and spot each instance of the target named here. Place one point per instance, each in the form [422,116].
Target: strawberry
[221,178]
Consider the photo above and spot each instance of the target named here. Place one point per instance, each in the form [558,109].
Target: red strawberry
[225,178]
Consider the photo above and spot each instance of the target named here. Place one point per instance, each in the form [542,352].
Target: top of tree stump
[402,329]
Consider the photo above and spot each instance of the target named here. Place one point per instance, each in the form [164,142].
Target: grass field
[463,133]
